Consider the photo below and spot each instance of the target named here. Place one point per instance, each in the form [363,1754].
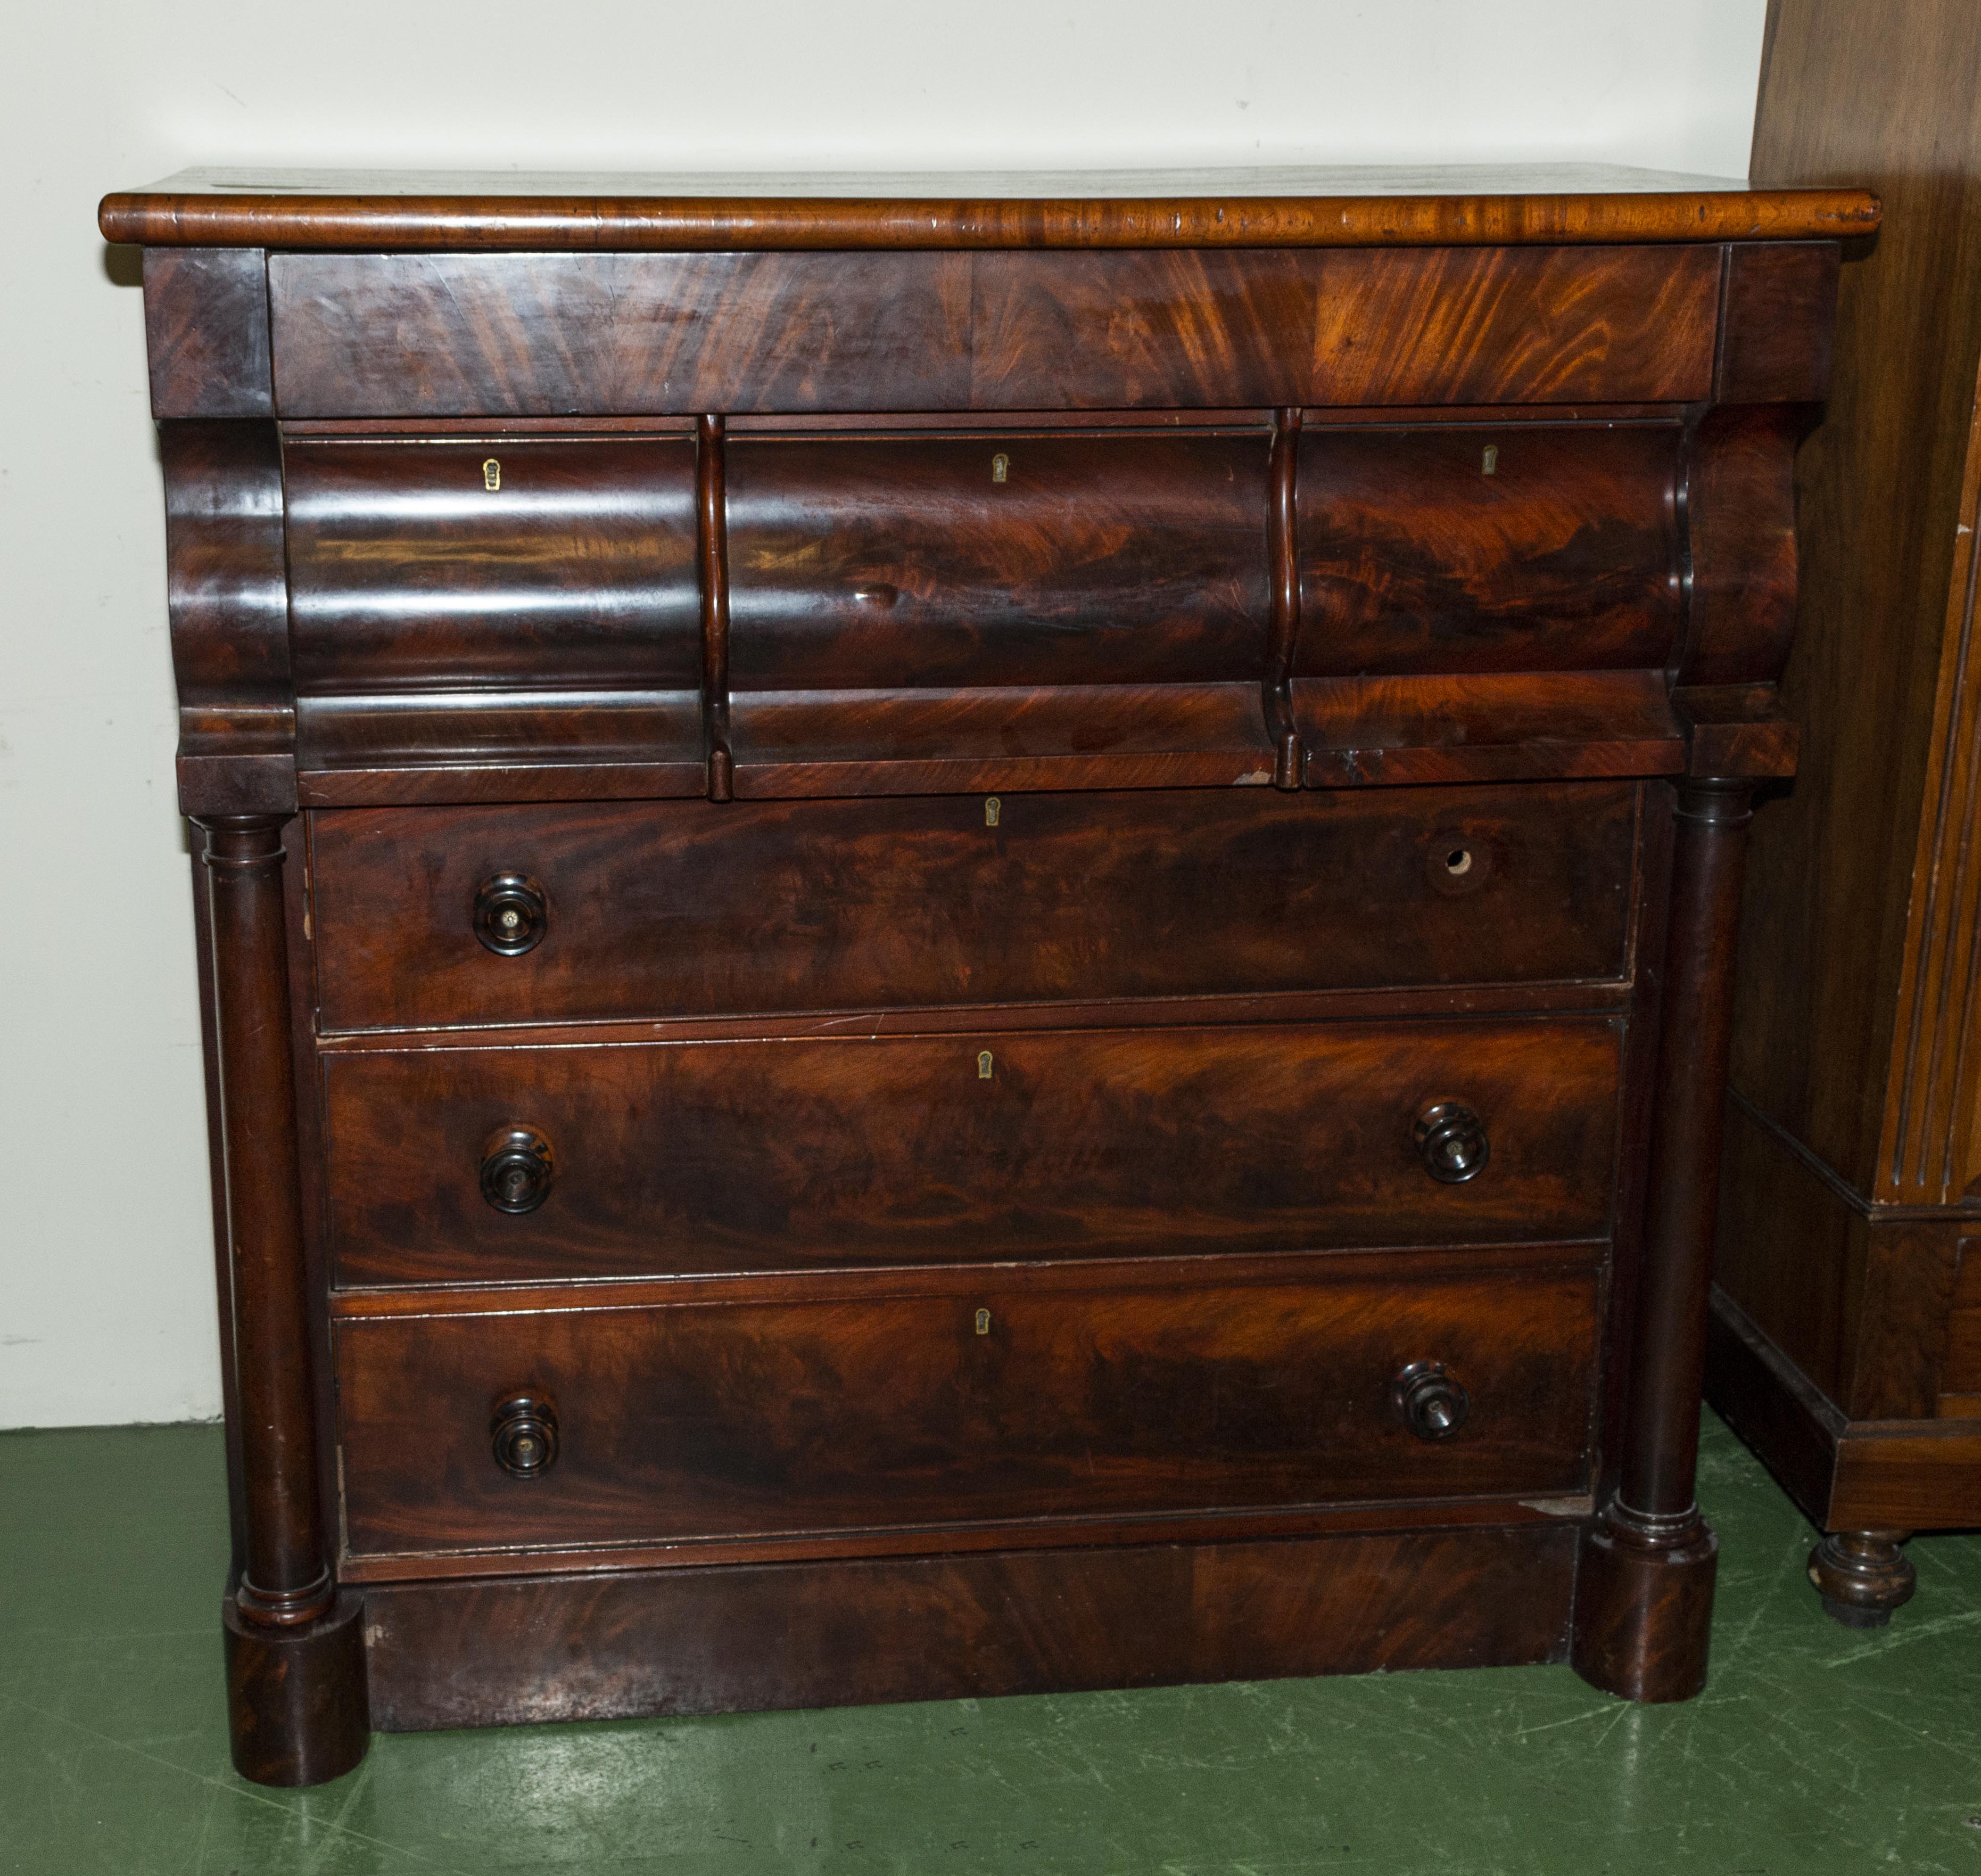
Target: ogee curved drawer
[492,565]
[1479,548]
[661,908]
[784,1419]
[1001,558]
[465,1164]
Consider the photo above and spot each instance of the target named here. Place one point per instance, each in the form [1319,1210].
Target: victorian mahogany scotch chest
[967,937]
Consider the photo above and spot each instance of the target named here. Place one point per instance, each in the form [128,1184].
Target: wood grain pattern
[1960,1372]
[285,1581]
[1525,547]
[1858,1003]
[944,1237]
[1457,728]
[206,331]
[978,741]
[394,335]
[528,1650]
[499,745]
[1776,317]
[800,1153]
[549,624]
[1887,488]
[227,592]
[1928,1148]
[659,910]
[1010,558]
[1908,1475]
[1161,208]
[1741,510]
[408,572]
[783,1419]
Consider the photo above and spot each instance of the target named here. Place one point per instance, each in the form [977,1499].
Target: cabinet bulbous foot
[1863,1576]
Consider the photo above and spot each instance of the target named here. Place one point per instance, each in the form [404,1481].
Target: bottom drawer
[1019,1401]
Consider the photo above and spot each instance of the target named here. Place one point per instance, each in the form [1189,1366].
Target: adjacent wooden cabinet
[1847,1342]
[968,942]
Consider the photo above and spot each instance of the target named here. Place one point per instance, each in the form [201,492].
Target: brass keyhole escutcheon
[1000,467]
[983,1322]
[491,474]
[984,1064]
[993,808]
[1489,464]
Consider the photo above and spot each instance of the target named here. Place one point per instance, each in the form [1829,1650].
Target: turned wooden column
[1644,1590]
[295,1661]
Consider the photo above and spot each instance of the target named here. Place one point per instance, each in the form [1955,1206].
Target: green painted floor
[1812,1748]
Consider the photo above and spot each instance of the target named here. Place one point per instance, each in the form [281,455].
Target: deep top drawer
[996,559]
[1523,547]
[521,564]
[691,909]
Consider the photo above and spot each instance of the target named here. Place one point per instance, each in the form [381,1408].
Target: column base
[1862,1576]
[297,1712]
[1643,1605]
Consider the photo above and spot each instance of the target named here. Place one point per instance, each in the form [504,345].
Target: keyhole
[1458,861]
[491,474]
[1001,465]
[1489,463]
[983,1066]
[983,1322]
[992,808]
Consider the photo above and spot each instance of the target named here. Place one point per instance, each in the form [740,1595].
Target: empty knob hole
[1458,861]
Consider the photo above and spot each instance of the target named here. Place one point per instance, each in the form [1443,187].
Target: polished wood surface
[522,564]
[1026,907]
[227,596]
[206,318]
[803,1154]
[413,334]
[1000,1404]
[1153,208]
[1853,1145]
[1004,558]
[659,910]
[522,1651]
[1503,548]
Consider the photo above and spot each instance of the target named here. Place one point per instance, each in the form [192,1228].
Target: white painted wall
[106,1291]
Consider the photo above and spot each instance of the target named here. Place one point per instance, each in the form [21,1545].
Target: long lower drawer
[480,1164]
[610,1426]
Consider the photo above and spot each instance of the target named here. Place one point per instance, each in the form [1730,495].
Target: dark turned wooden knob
[1452,1140]
[523,1429]
[1434,1405]
[511,914]
[516,1166]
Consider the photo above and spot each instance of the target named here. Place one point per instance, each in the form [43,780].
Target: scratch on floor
[1888,1643]
[1524,1732]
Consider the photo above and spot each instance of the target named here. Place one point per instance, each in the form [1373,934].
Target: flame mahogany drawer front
[999,1403]
[1012,918]
[533,563]
[671,1157]
[683,909]
[1002,559]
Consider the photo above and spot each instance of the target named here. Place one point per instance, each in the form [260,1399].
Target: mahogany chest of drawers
[966,945]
